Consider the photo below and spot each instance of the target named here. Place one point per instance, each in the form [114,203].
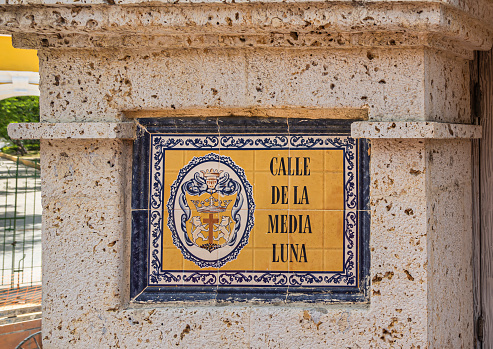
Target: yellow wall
[16,59]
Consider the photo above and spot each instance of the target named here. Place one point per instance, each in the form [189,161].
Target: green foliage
[10,149]
[18,109]
[31,148]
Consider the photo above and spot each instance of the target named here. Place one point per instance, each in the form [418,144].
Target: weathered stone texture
[450,244]
[330,16]
[86,271]
[99,85]
[398,205]
[400,61]
[414,130]
[78,130]
[447,96]
[84,228]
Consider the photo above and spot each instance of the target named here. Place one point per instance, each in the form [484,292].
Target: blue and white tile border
[157,204]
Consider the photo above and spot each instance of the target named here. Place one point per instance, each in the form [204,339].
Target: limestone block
[376,79]
[161,80]
[397,173]
[87,130]
[413,129]
[447,97]
[398,213]
[450,244]
[457,21]
[316,327]
[389,85]
[359,78]
[84,223]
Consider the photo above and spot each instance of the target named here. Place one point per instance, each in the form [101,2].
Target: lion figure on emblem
[197,228]
[223,228]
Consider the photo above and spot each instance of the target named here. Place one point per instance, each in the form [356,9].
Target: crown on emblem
[211,176]
[211,205]
[211,173]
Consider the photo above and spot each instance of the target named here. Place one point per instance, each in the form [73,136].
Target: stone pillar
[405,65]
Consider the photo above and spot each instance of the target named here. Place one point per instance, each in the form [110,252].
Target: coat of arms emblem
[211,210]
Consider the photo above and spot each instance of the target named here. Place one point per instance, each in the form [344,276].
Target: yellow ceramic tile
[244,261]
[271,192]
[333,229]
[314,160]
[171,175]
[172,259]
[307,227]
[299,166]
[251,238]
[307,193]
[271,246]
[333,260]
[250,175]
[242,158]
[270,228]
[263,159]
[188,265]
[190,154]
[167,239]
[265,260]
[334,160]
[174,159]
[305,259]
[169,178]
[334,191]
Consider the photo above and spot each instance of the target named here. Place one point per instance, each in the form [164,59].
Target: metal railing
[20,224]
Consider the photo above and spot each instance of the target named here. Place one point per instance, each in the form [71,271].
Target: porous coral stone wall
[113,59]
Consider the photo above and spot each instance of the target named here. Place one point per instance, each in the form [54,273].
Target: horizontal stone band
[278,24]
[359,129]
[414,129]
[79,130]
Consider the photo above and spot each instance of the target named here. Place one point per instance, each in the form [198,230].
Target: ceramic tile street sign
[243,211]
